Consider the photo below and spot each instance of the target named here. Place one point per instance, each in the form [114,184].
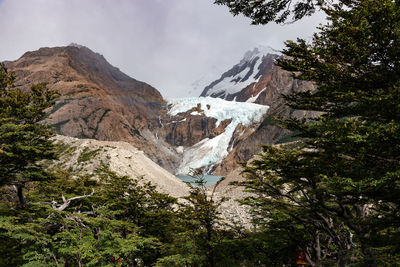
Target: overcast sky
[166,43]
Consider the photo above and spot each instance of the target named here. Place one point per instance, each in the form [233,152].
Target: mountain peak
[259,52]
[96,100]
[77,45]
[233,83]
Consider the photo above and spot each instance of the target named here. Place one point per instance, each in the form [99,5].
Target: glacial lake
[210,179]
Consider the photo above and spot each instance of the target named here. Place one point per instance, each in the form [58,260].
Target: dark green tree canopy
[342,178]
[279,11]
[24,142]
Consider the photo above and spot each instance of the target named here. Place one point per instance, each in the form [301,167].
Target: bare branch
[66,202]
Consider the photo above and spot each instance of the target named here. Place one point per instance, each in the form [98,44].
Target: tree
[24,142]
[86,221]
[279,11]
[342,178]
[202,230]
[284,207]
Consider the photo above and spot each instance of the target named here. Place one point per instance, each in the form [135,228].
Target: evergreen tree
[342,180]
[279,11]
[23,141]
[82,221]
[201,231]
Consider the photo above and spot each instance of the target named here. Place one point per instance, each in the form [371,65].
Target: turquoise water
[210,179]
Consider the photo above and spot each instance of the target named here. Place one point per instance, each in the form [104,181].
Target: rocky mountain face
[256,79]
[190,127]
[214,132]
[97,100]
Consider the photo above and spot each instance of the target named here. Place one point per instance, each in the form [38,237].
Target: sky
[168,44]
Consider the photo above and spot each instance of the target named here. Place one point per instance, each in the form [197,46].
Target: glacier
[209,152]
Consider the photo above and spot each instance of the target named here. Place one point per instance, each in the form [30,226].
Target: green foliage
[122,218]
[279,11]
[74,220]
[87,154]
[69,219]
[334,194]
[23,141]
[290,137]
[201,231]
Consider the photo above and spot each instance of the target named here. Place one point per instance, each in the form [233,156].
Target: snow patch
[160,122]
[232,85]
[212,151]
[194,113]
[254,98]
[258,51]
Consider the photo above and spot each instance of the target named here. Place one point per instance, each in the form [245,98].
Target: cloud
[168,44]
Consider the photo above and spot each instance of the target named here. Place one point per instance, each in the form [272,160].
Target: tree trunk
[21,198]
[79,261]
[318,250]
[55,258]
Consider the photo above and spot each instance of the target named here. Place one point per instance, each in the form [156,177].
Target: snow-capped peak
[259,52]
[248,72]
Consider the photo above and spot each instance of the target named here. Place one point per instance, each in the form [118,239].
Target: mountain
[97,100]
[256,79]
[241,83]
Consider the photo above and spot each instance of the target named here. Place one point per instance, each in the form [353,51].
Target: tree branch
[66,202]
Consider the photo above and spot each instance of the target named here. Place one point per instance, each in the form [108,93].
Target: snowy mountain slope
[211,151]
[254,65]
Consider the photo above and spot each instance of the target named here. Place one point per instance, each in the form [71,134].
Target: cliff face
[89,86]
[267,133]
[190,127]
[256,79]
[97,100]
